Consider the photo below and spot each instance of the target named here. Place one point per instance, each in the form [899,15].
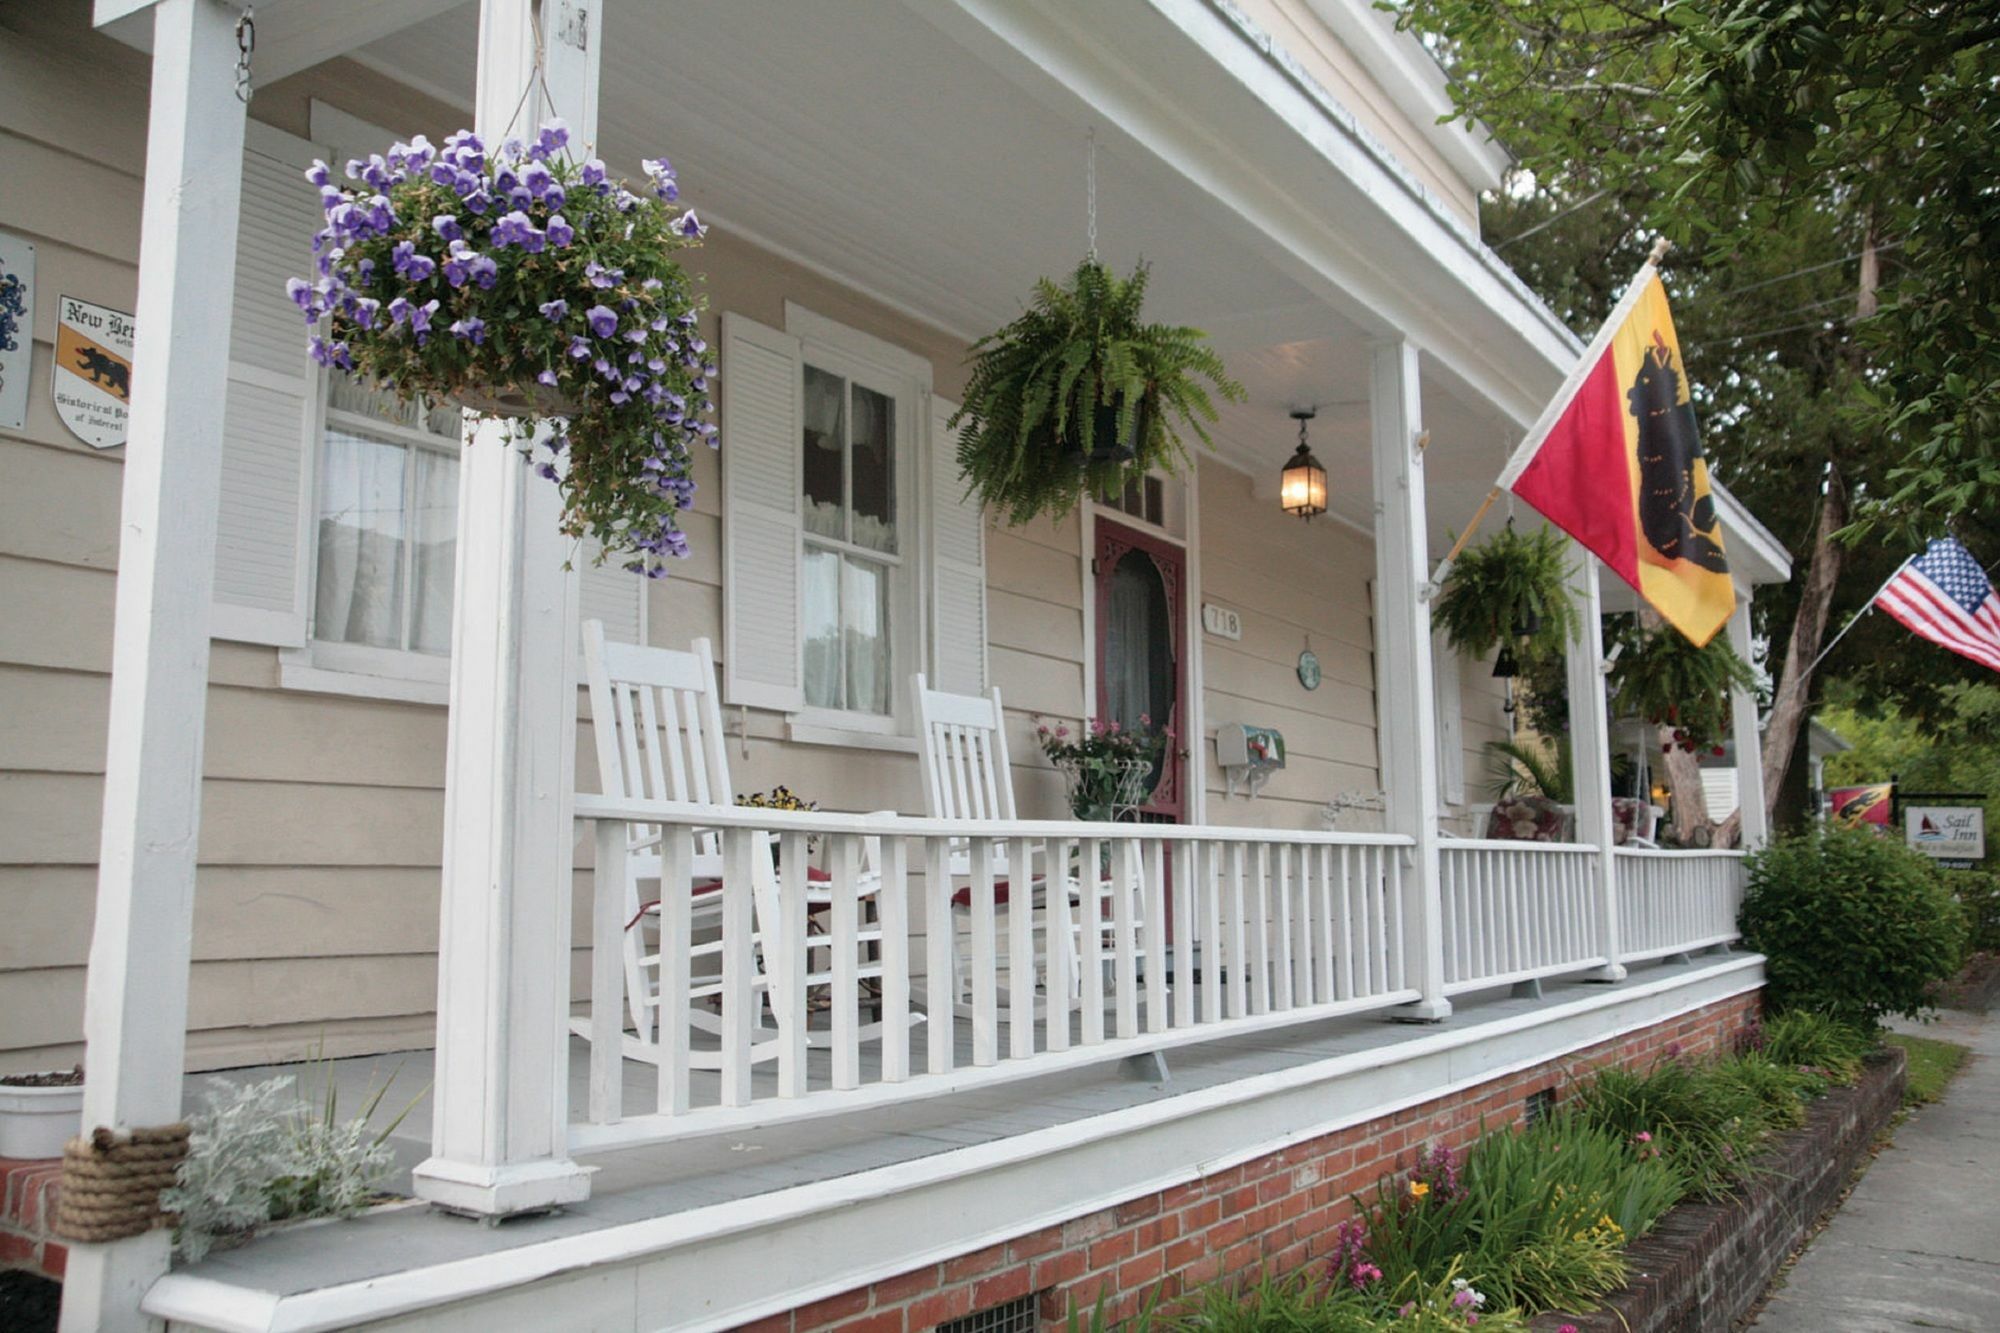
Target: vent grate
[1015,1316]
[1539,1106]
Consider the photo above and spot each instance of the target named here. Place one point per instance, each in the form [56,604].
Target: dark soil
[68,1078]
[29,1303]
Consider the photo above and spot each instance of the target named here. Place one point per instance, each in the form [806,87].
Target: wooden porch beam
[500,1128]
[1405,708]
[136,996]
[1590,754]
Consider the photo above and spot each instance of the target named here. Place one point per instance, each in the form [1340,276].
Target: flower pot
[36,1122]
[516,404]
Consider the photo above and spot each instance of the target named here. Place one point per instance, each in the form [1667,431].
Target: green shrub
[1537,1218]
[1704,1126]
[1853,925]
[1780,1090]
[1978,892]
[1802,1039]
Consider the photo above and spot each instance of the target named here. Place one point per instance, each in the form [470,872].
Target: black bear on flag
[1672,517]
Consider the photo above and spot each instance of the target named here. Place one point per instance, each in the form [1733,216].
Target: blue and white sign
[1948,832]
[17,328]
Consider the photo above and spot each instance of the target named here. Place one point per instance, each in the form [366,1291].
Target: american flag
[1944,596]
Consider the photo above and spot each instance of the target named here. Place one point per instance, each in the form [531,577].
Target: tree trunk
[1792,700]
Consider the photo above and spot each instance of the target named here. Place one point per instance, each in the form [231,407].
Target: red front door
[1142,650]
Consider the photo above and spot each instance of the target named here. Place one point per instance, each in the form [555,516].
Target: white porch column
[1743,731]
[1406,711]
[1590,750]
[499,1138]
[136,998]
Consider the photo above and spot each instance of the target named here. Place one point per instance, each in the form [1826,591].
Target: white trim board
[709,1267]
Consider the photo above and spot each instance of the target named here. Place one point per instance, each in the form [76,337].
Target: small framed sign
[17,328]
[1309,669]
[92,375]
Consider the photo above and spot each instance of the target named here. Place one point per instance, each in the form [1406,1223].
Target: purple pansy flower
[472,326]
[446,226]
[553,311]
[560,233]
[603,322]
[689,225]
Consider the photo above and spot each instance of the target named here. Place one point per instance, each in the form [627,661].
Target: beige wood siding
[316,911]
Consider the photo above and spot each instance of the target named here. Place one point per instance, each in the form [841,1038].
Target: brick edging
[28,1189]
[1705,1264]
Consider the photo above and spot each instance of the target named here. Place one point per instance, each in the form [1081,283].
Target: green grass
[1933,1064]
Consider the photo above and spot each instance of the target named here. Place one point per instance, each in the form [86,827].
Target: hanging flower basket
[1078,396]
[1510,592]
[1663,678]
[525,285]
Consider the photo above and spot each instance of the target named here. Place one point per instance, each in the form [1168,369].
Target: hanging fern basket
[1510,592]
[1079,396]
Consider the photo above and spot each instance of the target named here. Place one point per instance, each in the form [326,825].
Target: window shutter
[762,383]
[610,593]
[1445,691]
[261,528]
[958,565]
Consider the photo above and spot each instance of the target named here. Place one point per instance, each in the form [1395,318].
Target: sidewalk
[1917,1245]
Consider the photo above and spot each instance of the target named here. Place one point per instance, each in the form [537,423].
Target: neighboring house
[883,182]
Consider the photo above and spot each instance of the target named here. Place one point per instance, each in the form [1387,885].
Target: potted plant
[521,283]
[40,1112]
[1665,679]
[1078,394]
[1108,769]
[1510,592]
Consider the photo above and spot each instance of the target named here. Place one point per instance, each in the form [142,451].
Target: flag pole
[1866,607]
[1539,432]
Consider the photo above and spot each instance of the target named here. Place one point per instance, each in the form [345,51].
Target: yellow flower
[1418,1189]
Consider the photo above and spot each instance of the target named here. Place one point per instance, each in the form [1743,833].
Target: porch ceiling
[875,146]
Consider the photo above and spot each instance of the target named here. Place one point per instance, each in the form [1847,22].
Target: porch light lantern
[1302,486]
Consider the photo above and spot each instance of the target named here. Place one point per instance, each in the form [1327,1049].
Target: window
[852,559]
[387,523]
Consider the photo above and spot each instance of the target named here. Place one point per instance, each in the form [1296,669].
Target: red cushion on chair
[963,898]
[814,875]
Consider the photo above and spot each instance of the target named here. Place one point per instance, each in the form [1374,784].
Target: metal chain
[246,43]
[1090,188]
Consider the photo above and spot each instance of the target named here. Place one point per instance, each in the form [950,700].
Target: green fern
[1512,579]
[1521,769]
[1669,682]
[1054,393]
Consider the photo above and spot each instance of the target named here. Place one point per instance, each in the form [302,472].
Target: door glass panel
[359,594]
[865,594]
[873,470]
[825,443]
[1139,684]
[821,628]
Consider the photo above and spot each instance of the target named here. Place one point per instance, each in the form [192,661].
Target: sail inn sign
[91,380]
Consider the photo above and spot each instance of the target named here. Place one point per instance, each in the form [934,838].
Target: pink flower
[1567,1328]
[1409,1307]
[1643,1136]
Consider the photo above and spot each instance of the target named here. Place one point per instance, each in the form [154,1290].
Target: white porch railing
[1676,901]
[1205,932]
[1517,911]
[1154,936]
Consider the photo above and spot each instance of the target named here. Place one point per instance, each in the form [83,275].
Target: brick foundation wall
[1278,1212]
[28,1214]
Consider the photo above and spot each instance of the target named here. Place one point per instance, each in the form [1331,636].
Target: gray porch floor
[664,1179]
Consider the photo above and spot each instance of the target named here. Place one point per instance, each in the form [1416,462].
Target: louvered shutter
[762,384]
[1447,694]
[261,536]
[611,593]
[958,565]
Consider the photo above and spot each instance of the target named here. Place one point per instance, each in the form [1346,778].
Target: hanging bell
[1504,665]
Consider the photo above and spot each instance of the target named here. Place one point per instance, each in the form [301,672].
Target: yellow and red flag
[1616,462]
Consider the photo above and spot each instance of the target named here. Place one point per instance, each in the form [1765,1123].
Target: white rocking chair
[657,721]
[962,749]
